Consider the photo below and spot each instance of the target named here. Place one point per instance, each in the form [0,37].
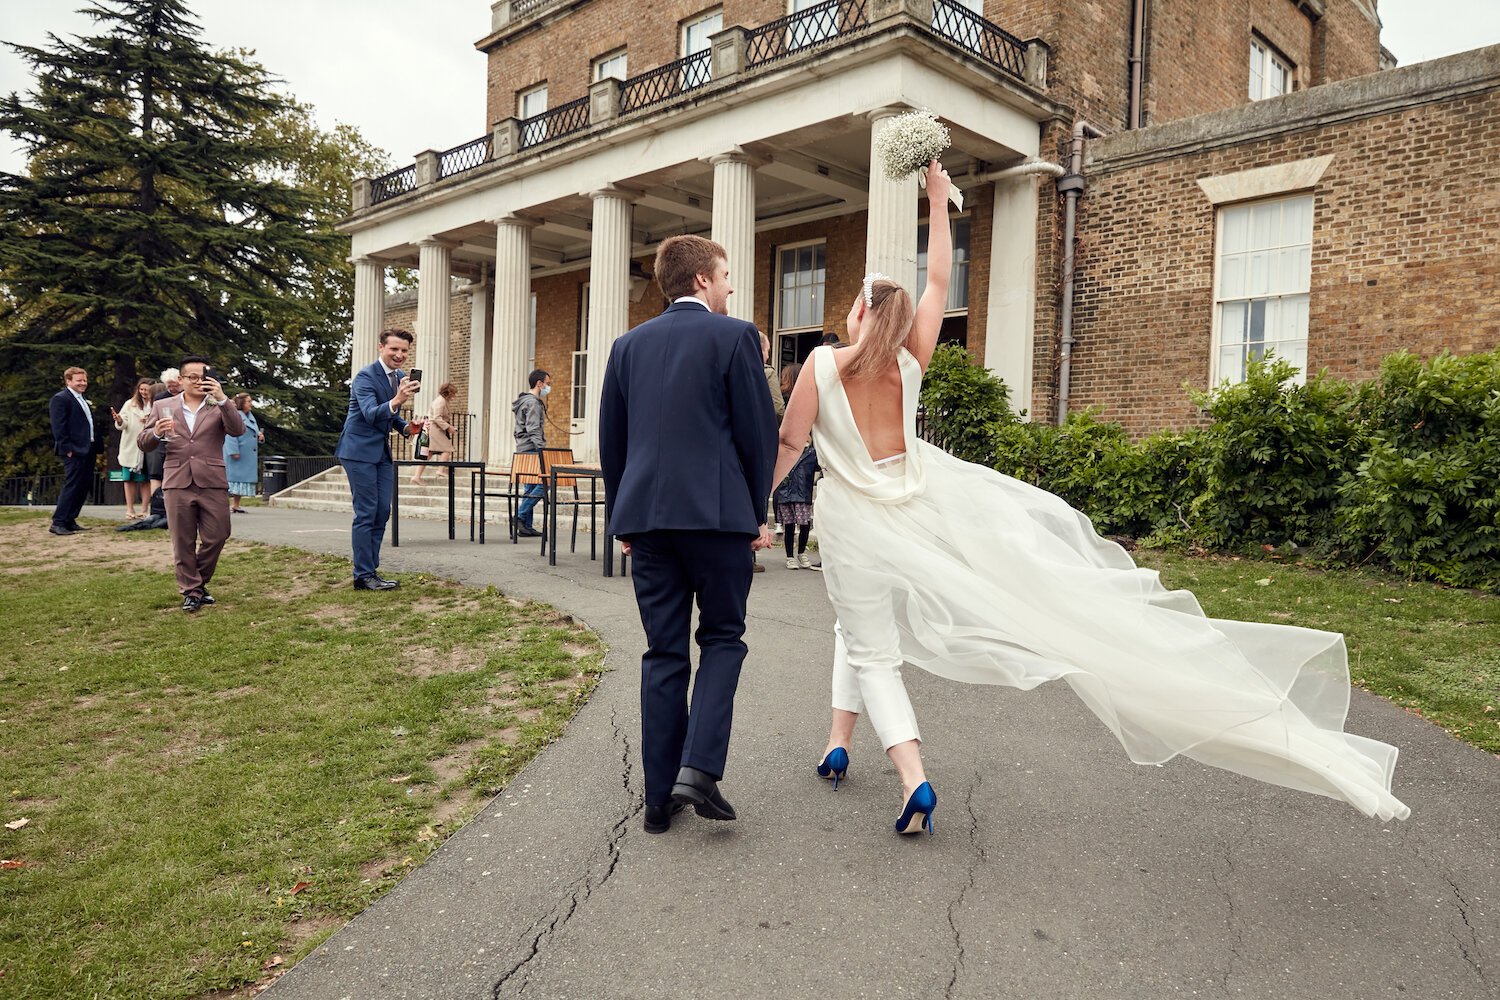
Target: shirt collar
[388,371]
[690,298]
[77,395]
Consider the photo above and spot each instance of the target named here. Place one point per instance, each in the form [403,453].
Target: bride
[978,577]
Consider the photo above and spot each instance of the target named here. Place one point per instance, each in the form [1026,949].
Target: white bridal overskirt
[993,581]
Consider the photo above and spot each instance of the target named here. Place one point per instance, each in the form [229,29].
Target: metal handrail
[554,123]
[665,82]
[985,39]
[392,184]
[466,157]
[803,30]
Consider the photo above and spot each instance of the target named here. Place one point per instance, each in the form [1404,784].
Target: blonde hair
[887,324]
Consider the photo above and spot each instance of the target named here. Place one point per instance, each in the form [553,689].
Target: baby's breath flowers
[910,141]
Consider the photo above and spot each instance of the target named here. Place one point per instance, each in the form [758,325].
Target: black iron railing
[984,39]
[666,82]
[556,122]
[395,183]
[465,157]
[798,32]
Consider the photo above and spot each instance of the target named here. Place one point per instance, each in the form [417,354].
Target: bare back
[877,408]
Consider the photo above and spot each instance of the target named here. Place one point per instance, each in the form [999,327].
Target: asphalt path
[1058,870]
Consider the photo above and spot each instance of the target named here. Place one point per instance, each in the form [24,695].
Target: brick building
[751,121]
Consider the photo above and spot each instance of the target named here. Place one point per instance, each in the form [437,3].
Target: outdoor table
[476,469]
[595,476]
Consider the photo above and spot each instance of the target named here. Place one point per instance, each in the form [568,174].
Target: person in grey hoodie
[531,437]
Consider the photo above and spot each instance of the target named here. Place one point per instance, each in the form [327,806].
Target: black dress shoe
[697,789]
[375,583]
[205,598]
[58,529]
[190,603]
[659,818]
[75,526]
[525,530]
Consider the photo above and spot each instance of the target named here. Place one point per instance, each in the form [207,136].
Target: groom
[687,439]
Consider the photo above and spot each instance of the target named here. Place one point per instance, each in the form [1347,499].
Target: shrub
[964,404]
[1425,494]
[1274,457]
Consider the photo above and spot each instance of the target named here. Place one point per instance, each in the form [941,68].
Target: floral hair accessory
[870,280]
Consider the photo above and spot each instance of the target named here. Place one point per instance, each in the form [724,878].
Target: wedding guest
[978,577]
[530,412]
[129,419]
[76,442]
[439,430]
[794,509]
[169,384]
[789,378]
[242,455]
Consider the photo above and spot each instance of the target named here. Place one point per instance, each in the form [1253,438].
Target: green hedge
[1402,469]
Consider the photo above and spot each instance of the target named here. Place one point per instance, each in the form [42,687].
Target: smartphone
[415,375]
[209,373]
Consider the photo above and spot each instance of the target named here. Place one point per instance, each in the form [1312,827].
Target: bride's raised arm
[929,316]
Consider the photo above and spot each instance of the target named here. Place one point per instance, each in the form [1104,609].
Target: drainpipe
[1022,169]
[1071,187]
[1137,61]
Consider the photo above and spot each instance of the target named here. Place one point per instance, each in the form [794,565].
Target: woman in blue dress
[242,456]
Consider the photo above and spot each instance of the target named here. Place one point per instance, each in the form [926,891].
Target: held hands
[765,541]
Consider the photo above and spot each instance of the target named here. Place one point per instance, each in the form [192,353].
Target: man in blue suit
[75,441]
[376,396]
[687,438]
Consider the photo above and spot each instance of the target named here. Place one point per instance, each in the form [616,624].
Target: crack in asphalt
[1472,958]
[978,858]
[1232,922]
[582,888]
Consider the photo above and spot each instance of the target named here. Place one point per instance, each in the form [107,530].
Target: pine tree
[157,220]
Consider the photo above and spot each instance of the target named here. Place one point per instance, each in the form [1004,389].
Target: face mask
[546,389]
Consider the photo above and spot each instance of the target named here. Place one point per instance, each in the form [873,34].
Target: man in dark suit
[194,483]
[687,438]
[376,396]
[76,442]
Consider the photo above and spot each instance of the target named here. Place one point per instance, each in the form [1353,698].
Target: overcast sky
[405,72]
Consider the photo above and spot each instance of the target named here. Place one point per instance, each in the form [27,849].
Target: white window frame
[697,76]
[820,293]
[1278,297]
[578,384]
[1270,74]
[536,131]
[603,64]
[958,292]
[824,27]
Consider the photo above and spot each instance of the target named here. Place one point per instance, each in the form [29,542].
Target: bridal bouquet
[908,143]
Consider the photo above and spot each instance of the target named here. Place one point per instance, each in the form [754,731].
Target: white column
[479,365]
[891,244]
[734,226]
[512,320]
[369,312]
[1010,319]
[434,292]
[609,302]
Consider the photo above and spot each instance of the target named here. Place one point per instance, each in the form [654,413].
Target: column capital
[889,111]
[613,191]
[437,241]
[734,154]
[517,220]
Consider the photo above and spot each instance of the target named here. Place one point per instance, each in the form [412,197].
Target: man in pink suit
[194,484]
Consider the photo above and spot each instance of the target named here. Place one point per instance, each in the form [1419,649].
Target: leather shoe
[75,526]
[375,583]
[697,789]
[190,603]
[659,818]
[525,530]
[58,529]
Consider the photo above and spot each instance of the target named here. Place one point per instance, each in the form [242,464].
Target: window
[950,23]
[581,359]
[811,30]
[801,271]
[696,34]
[955,328]
[1261,286]
[1270,75]
[529,104]
[611,65]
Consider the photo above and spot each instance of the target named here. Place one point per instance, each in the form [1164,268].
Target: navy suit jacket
[687,434]
[368,425]
[70,426]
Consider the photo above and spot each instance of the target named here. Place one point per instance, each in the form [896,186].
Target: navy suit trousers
[371,484]
[673,569]
[77,473]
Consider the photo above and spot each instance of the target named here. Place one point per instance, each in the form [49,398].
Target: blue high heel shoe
[835,765]
[922,802]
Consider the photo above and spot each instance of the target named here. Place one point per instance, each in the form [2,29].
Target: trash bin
[273,475]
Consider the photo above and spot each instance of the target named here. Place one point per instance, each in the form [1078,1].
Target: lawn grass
[1431,649]
[183,774]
